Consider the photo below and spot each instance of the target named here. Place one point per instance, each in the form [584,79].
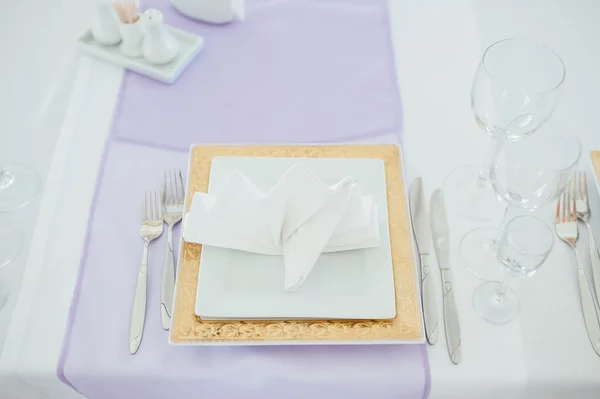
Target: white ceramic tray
[189,46]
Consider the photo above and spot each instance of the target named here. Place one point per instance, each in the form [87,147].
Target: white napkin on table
[299,218]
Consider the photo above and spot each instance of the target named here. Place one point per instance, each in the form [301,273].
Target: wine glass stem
[5,178]
[500,295]
[485,172]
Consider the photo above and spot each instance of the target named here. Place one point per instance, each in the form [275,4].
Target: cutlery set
[437,229]
[158,208]
[571,207]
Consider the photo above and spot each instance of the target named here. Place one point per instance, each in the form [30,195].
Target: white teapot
[213,11]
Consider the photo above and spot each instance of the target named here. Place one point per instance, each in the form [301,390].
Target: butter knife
[421,230]
[439,230]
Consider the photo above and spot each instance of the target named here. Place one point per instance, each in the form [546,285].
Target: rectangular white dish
[358,284]
[189,46]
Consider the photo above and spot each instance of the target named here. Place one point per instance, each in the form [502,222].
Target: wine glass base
[3,295]
[479,252]
[11,242]
[19,188]
[488,307]
[470,195]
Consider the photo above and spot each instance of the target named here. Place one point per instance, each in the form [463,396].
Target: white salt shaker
[133,36]
[105,27]
[159,47]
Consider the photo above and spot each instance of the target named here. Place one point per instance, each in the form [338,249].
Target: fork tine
[585,193]
[558,201]
[144,208]
[182,199]
[566,208]
[571,199]
[163,196]
[152,206]
[160,210]
[575,211]
[157,207]
[172,189]
[158,193]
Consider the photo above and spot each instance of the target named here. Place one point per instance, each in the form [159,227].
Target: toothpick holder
[133,36]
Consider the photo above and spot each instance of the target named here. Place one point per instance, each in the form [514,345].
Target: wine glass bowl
[525,174]
[516,87]
[514,92]
[523,248]
[536,169]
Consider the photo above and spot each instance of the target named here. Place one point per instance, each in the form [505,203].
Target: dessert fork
[566,230]
[583,213]
[172,202]
[152,228]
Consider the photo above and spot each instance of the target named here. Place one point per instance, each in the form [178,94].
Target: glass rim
[540,221]
[564,69]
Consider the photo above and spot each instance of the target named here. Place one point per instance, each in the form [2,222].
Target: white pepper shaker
[105,27]
[159,47]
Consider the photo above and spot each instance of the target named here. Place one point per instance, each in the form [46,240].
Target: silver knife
[421,230]
[439,230]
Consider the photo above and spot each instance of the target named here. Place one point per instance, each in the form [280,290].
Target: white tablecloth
[545,353]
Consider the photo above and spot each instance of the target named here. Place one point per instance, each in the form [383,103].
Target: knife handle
[138,313]
[453,338]
[428,298]
[595,260]
[590,314]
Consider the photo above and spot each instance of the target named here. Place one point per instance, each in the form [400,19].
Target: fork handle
[590,314]
[595,260]
[138,314]
[168,282]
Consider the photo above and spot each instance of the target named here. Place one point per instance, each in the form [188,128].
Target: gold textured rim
[406,326]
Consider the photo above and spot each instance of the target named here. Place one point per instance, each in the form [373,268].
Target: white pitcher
[213,11]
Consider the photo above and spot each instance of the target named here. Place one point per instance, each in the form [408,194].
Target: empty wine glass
[523,248]
[515,90]
[526,174]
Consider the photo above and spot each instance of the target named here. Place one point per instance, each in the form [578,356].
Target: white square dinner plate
[359,284]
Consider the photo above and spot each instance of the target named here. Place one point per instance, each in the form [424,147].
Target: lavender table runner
[296,71]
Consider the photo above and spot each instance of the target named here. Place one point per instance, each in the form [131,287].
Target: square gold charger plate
[188,329]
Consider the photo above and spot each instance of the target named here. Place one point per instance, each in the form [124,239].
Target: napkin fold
[300,218]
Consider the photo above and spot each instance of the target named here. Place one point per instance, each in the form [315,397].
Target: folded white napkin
[299,218]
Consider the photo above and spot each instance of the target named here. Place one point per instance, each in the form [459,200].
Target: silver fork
[173,197]
[152,228]
[583,213]
[566,230]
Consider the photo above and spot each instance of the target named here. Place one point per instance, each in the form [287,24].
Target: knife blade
[421,230]
[440,234]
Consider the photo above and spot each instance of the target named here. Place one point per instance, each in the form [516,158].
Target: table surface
[57,111]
